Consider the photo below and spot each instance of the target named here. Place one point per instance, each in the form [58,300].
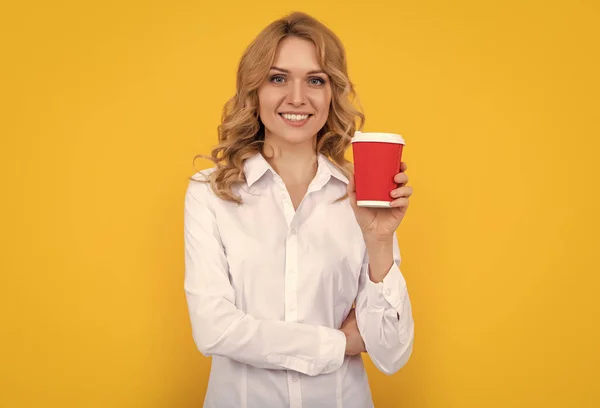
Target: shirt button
[293,231]
[295,378]
[291,308]
[292,271]
[388,291]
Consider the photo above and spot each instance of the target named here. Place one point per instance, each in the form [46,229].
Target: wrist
[376,239]
[381,257]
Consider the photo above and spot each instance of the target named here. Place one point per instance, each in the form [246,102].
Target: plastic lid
[377,137]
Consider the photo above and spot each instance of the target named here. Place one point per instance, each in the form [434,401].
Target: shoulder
[203,174]
[199,188]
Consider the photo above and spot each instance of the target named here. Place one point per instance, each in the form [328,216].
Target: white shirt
[269,287]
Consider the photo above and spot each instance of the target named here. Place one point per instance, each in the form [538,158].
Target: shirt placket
[291,287]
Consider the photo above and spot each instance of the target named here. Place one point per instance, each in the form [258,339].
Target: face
[294,99]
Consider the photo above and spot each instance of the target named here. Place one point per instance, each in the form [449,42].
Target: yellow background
[104,104]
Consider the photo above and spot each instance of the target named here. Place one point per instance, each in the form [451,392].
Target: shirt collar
[256,166]
[329,168]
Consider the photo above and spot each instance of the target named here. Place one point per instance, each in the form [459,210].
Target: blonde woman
[287,280]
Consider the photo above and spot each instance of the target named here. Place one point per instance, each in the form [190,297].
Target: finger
[403,167]
[401,178]
[406,191]
[401,202]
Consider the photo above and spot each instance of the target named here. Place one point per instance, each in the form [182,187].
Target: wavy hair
[242,133]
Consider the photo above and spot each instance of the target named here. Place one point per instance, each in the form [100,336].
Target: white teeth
[294,117]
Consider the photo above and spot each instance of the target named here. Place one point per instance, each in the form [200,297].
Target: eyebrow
[319,71]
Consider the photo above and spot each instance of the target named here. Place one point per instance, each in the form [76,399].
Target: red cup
[377,158]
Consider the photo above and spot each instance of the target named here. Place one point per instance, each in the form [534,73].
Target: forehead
[296,55]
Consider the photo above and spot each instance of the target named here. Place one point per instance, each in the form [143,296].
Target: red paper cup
[377,158]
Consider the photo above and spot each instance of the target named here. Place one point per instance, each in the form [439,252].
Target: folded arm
[220,328]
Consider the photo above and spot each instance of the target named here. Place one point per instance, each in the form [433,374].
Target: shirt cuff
[388,293]
[333,350]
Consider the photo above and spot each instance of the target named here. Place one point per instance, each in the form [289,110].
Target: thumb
[351,190]
[351,186]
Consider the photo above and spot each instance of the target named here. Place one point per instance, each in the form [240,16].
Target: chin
[298,136]
[294,136]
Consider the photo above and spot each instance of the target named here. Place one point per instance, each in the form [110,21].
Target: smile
[294,119]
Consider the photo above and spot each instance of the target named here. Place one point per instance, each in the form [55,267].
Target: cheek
[266,102]
[324,101]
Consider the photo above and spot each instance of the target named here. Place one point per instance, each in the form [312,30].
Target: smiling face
[294,100]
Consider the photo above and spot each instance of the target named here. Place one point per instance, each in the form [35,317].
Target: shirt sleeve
[384,316]
[220,328]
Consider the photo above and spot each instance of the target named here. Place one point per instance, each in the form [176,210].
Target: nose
[296,94]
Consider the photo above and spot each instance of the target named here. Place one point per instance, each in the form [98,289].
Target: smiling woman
[271,282]
[295,66]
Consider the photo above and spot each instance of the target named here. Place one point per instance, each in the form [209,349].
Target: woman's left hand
[382,223]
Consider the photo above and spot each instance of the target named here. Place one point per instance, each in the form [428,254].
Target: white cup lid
[377,137]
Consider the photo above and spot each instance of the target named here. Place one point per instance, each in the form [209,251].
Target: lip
[299,123]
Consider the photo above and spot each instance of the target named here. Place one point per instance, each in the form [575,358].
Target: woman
[277,252]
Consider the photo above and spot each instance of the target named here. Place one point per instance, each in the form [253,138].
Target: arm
[220,328]
[383,308]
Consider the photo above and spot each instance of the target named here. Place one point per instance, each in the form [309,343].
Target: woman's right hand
[354,342]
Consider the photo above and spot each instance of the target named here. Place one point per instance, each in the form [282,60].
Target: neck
[296,164]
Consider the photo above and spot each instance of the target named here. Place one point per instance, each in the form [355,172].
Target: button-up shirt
[268,288]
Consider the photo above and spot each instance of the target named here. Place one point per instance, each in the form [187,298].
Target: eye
[277,79]
[316,81]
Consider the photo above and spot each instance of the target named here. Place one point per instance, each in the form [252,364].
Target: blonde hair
[242,133]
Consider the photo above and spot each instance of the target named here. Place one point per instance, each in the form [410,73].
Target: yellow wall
[105,104]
